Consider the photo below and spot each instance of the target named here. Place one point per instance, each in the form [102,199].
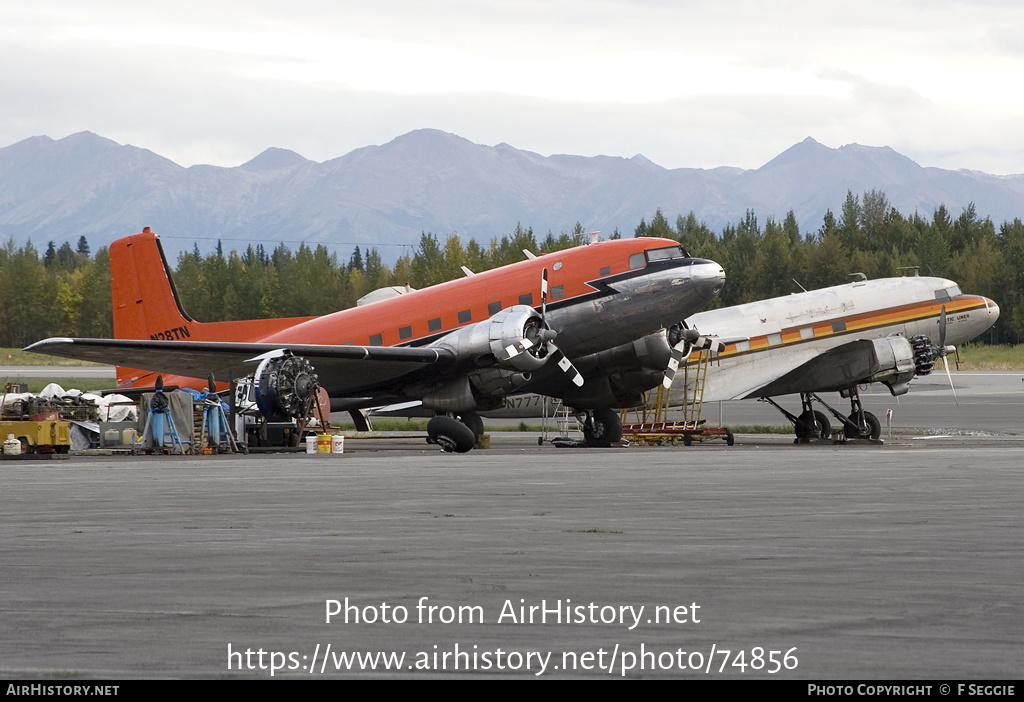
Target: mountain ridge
[433,181]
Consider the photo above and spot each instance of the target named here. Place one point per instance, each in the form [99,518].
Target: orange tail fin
[146,304]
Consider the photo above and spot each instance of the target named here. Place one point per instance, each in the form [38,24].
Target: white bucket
[311,442]
[337,443]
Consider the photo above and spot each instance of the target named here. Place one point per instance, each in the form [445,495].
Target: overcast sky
[687,84]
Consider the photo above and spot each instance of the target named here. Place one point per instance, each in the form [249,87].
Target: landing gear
[602,428]
[473,421]
[862,426]
[814,424]
[450,434]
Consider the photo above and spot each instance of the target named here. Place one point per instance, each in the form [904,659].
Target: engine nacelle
[500,340]
[285,386]
[480,390]
[896,363]
[648,353]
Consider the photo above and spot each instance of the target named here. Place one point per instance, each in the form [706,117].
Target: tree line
[66,291]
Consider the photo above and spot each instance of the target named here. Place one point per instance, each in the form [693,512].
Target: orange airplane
[455,348]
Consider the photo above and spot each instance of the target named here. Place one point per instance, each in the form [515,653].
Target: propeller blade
[689,339]
[680,352]
[513,350]
[546,336]
[942,328]
[950,376]
[565,364]
[544,295]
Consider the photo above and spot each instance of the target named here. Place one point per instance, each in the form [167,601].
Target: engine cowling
[514,338]
[285,386]
[895,357]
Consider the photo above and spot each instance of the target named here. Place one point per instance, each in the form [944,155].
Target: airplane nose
[993,309]
[708,277]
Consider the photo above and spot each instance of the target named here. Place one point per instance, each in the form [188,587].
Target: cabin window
[557,292]
[742,346]
[377,340]
[774,339]
[526,299]
[434,324]
[465,316]
[607,270]
[839,326]
[493,308]
[637,261]
[405,333]
[807,333]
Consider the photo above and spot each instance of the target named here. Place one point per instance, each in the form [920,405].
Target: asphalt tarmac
[899,561]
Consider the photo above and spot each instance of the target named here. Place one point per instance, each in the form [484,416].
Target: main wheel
[870,428]
[474,422]
[602,428]
[813,424]
[450,434]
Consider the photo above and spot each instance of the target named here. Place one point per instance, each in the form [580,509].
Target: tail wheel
[602,428]
[870,428]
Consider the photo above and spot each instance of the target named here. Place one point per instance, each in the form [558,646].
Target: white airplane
[833,339]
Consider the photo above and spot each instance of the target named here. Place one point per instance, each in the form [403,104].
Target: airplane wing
[343,369]
[836,369]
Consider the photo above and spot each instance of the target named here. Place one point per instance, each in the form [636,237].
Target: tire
[813,424]
[474,422]
[870,429]
[450,434]
[729,438]
[602,428]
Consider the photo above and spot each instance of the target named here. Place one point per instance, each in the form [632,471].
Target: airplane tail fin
[146,305]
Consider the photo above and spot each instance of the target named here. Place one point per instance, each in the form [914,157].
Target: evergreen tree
[355,263]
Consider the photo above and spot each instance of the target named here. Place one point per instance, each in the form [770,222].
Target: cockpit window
[947,294]
[636,261]
[665,253]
